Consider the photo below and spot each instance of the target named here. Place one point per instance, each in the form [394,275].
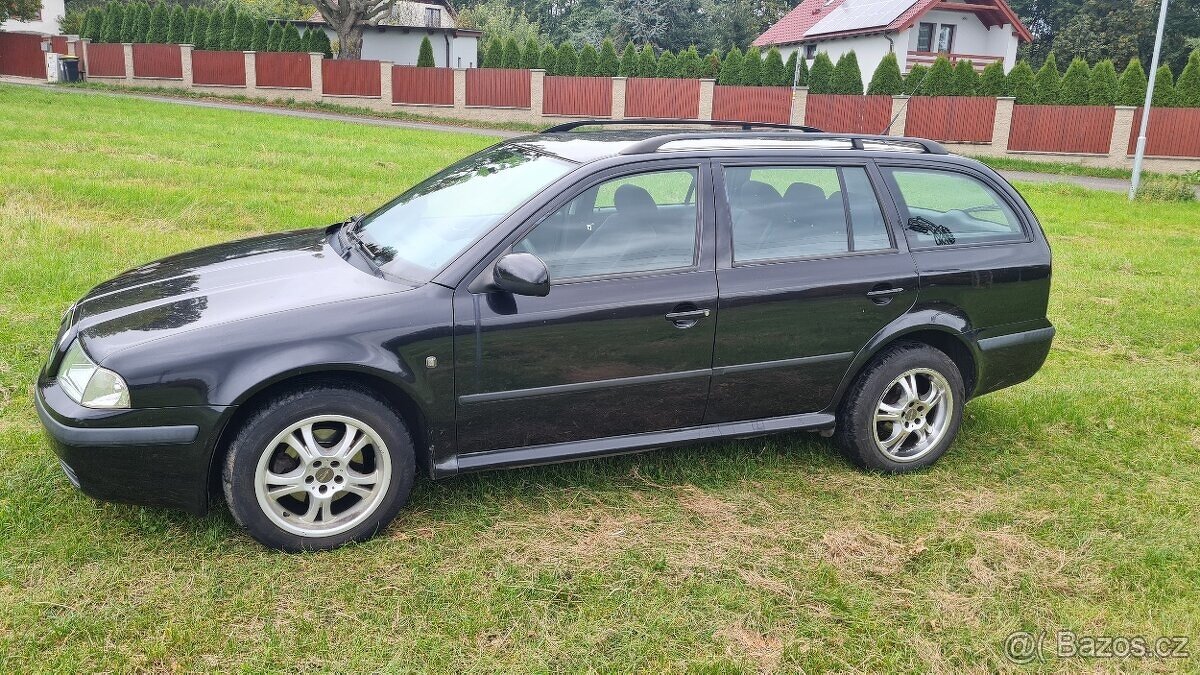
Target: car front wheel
[904,409]
[319,468]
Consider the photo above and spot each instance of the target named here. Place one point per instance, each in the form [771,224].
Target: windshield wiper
[367,251]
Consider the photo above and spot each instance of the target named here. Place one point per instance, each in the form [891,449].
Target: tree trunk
[350,41]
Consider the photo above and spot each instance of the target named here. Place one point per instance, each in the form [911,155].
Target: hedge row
[215,30]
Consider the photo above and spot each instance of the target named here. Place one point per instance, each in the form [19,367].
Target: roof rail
[856,141]
[745,126]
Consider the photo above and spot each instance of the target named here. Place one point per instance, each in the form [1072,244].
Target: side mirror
[522,274]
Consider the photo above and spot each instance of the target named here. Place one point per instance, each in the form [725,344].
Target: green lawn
[1069,502]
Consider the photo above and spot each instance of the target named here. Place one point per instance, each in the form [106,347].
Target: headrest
[633,199]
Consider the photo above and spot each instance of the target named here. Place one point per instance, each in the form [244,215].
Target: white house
[45,23]
[398,36]
[917,31]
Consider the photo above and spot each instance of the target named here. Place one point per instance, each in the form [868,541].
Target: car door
[809,269]
[622,344]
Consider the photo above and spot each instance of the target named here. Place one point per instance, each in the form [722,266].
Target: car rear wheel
[903,411]
[319,468]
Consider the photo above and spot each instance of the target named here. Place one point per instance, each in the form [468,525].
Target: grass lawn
[1068,502]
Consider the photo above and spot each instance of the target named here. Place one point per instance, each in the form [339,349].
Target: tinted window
[641,223]
[781,212]
[943,208]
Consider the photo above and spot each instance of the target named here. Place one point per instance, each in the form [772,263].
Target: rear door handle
[884,292]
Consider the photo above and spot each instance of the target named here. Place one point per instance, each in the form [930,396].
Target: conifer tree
[887,79]
[1132,85]
[531,55]
[847,78]
[321,44]
[495,54]
[199,29]
[914,82]
[1187,87]
[609,63]
[160,24]
[1048,82]
[1075,83]
[243,34]
[274,37]
[792,63]
[1102,85]
[940,80]
[291,39]
[1164,88]
[425,54]
[712,65]
[966,80]
[647,62]
[773,73]
[589,61]
[820,76]
[568,60]
[690,63]
[668,65]
[511,57]
[731,67]
[549,60]
[262,34]
[628,66]
[993,82]
[1022,83]
[177,26]
[752,67]
[212,35]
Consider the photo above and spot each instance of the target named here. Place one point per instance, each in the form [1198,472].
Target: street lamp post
[1141,141]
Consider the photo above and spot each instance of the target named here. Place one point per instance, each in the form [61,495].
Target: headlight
[88,384]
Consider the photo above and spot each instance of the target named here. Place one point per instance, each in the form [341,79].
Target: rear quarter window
[947,208]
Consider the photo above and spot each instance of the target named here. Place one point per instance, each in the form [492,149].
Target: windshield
[421,231]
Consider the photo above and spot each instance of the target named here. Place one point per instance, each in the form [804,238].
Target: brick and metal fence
[1095,135]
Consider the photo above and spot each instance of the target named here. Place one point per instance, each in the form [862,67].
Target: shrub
[262,35]
[568,60]
[847,78]
[965,81]
[290,42]
[1131,88]
[1102,85]
[820,76]
[915,80]
[424,54]
[199,29]
[668,65]
[93,24]
[774,73]
[1076,83]
[139,23]
[128,19]
[1021,83]
[243,33]
[1164,88]
[549,59]
[647,63]
[793,62]
[690,64]
[229,22]
[1166,189]
[712,65]
[531,55]
[992,81]
[320,43]
[886,79]
[1047,82]
[212,35]
[1187,87]
[589,61]
[494,54]
[113,18]
[160,24]
[177,26]
[628,66]
[752,67]
[274,37]
[731,67]
[940,80]
[609,63]
[511,57]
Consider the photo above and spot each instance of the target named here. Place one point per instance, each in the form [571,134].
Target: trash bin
[68,69]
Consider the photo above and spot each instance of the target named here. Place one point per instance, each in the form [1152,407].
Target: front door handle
[687,318]
[884,292]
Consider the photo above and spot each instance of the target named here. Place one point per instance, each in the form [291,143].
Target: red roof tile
[792,27]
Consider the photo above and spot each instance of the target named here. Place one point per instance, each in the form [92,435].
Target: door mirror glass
[522,274]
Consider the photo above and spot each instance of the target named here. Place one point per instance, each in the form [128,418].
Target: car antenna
[904,106]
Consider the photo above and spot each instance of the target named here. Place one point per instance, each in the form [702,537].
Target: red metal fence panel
[498,87]
[422,86]
[579,96]
[58,44]
[21,55]
[350,78]
[220,68]
[752,104]
[847,113]
[154,60]
[1173,132]
[965,119]
[105,60]
[1061,128]
[662,99]
[286,70]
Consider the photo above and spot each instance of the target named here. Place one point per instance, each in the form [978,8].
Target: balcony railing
[980,61]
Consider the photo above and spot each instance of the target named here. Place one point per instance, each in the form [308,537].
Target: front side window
[423,230]
[641,223]
[943,208]
[787,212]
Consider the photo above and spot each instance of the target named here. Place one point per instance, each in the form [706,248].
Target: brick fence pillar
[1118,145]
[707,90]
[185,63]
[618,98]
[251,72]
[537,93]
[899,118]
[385,85]
[799,103]
[128,62]
[315,75]
[83,42]
[1002,125]
[460,89]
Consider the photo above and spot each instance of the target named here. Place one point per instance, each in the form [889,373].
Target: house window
[433,17]
[810,51]
[945,41]
[925,36]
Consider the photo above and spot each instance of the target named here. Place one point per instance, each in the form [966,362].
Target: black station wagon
[558,296]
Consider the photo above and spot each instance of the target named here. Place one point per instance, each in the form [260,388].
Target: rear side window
[789,212]
[943,208]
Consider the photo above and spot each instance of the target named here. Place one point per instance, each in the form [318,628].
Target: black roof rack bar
[745,126]
[856,141]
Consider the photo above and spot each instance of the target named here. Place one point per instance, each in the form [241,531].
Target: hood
[219,284]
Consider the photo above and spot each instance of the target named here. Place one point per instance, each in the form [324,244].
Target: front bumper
[155,456]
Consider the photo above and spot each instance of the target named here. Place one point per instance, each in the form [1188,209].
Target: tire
[358,472]
[911,432]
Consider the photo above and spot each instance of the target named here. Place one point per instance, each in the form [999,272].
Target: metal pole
[1141,141]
